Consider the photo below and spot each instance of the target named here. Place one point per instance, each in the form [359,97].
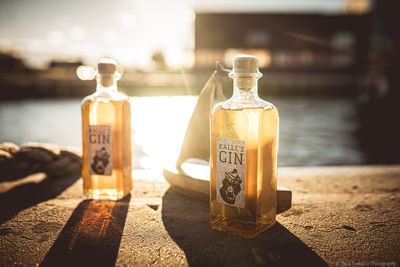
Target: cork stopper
[245,66]
[245,72]
[107,72]
[107,66]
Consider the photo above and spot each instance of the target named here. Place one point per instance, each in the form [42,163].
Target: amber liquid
[258,127]
[117,114]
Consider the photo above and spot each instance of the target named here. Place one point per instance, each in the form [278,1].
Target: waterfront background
[313,131]
[331,68]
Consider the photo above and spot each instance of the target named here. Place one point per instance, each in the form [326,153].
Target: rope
[17,162]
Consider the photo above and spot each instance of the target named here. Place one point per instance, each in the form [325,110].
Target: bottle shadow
[187,222]
[92,235]
[29,194]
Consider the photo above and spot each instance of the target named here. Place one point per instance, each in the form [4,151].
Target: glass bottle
[106,137]
[244,150]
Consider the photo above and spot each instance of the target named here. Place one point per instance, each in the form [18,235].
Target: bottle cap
[107,66]
[245,66]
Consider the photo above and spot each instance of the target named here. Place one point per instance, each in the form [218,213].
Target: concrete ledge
[348,215]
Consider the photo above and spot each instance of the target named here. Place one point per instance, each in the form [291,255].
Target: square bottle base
[247,230]
[105,194]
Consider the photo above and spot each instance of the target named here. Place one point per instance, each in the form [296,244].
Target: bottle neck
[106,82]
[245,88]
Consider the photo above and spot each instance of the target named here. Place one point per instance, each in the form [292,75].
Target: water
[313,131]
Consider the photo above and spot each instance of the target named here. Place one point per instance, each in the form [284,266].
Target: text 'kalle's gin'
[106,137]
[244,150]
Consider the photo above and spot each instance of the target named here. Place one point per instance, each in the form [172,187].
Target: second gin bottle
[106,134]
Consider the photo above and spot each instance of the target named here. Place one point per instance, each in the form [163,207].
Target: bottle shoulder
[237,104]
[105,97]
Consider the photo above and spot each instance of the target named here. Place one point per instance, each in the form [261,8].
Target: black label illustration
[230,186]
[100,161]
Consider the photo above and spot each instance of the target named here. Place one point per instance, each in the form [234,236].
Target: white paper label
[100,149]
[231,172]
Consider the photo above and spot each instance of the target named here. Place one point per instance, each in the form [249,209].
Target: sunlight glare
[160,127]
[56,37]
[111,37]
[85,72]
[190,16]
[128,20]
[77,32]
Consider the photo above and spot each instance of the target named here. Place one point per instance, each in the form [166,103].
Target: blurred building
[284,42]
[63,69]
[11,64]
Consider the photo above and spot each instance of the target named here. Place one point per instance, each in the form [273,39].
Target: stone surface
[340,216]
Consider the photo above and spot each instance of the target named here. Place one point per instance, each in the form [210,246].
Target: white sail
[196,144]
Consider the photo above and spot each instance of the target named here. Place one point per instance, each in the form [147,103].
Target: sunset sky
[129,31]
